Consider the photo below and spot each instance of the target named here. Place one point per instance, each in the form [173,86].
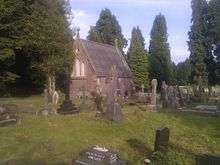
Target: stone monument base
[67,107]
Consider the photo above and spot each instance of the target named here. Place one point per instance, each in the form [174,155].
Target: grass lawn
[58,139]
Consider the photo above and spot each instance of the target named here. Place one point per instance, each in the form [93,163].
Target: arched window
[77,68]
[82,69]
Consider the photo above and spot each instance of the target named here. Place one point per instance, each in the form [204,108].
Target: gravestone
[83,100]
[98,156]
[162,139]
[164,97]
[67,107]
[46,109]
[154,92]
[142,88]
[207,159]
[98,101]
[172,97]
[113,111]
[153,100]
[8,114]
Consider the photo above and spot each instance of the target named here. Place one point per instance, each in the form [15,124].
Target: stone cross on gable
[114,73]
[77,32]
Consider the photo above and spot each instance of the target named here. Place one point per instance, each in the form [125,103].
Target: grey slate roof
[102,57]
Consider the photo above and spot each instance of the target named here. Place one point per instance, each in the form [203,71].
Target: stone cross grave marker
[113,111]
[162,139]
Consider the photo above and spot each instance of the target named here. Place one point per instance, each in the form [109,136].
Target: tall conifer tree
[107,30]
[160,60]
[214,37]
[197,43]
[138,60]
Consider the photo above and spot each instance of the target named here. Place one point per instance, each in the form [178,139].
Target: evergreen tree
[107,30]
[160,60]
[197,43]
[136,32]
[183,72]
[138,60]
[93,35]
[214,39]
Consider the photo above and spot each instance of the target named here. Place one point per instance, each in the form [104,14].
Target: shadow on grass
[138,146]
[189,118]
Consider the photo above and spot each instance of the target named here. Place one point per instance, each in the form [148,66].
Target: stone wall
[89,84]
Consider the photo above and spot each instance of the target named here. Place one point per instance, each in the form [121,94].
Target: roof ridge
[99,43]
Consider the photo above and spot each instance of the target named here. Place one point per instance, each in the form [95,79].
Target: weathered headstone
[164,97]
[142,88]
[162,139]
[98,156]
[169,96]
[207,159]
[83,99]
[113,111]
[98,101]
[154,92]
[46,109]
[153,100]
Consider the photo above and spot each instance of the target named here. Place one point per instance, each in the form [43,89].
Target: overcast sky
[140,13]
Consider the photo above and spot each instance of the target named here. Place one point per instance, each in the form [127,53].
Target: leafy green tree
[213,59]
[197,43]
[159,58]
[138,59]
[107,30]
[36,36]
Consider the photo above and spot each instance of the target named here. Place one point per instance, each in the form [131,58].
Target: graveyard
[114,82]
[58,139]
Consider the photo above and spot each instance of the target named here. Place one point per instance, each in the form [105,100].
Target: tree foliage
[213,58]
[160,60]
[197,43]
[107,30]
[183,72]
[36,37]
[138,59]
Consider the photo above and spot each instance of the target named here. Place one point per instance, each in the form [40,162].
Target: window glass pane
[82,69]
[77,67]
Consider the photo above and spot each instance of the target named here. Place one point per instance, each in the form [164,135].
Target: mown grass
[58,139]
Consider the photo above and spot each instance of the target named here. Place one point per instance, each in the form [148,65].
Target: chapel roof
[102,57]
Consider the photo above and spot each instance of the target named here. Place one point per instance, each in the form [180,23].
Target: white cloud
[83,20]
[137,2]
[179,54]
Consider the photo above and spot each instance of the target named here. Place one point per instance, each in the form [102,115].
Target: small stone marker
[162,139]
[98,156]
[147,161]
[207,159]
[8,114]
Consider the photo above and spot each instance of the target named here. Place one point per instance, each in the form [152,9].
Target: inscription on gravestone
[98,156]
[162,139]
